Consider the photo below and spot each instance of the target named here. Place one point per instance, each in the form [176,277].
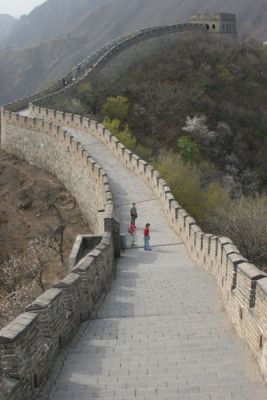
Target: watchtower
[220,23]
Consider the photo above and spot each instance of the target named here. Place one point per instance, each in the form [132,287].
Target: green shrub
[123,134]
[185,184]
[143,152]
[112,125]
[126,137]
[86,95]
[189,150]
[116,108]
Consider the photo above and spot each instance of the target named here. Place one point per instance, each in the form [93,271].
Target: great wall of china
[32,342]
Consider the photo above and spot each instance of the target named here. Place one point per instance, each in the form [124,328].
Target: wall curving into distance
[243,286]
[30,344]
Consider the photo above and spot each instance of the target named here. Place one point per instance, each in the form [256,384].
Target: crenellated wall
[97,60]
[243,286]
[30,344]
[51,148]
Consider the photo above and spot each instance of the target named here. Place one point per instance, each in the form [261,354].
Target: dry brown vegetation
[39,221]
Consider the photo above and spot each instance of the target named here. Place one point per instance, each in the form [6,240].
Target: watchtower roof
[215,16]
[220,23]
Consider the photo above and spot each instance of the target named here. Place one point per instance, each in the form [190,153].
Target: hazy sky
[18,7]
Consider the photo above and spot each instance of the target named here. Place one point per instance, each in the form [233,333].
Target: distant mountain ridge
[69,31]
[6,24]
[48,21]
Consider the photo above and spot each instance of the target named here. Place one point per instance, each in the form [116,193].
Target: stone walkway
[162,332]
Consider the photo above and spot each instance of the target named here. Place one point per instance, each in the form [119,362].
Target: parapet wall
[30,344]
[243,286]
[91,66]
[51,148]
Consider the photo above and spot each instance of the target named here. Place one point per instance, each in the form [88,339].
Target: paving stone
[161,333]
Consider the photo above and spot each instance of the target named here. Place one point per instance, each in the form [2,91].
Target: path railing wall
[243,286]
[30,344]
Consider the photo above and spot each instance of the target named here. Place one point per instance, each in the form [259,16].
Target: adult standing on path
[133,213]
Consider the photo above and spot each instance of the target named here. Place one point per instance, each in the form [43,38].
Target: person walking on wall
[133,213]
[147,237]
[132,232]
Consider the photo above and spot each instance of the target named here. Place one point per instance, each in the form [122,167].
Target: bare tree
[42,251]
[245,223]
[21,275]
[16,290]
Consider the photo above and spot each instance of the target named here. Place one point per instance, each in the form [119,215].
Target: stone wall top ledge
[84,264]
[207,236]
[95,253]
[17,327]
[196,229]
[222,240]
[44,300]
[182,213]
[230,248]
[190,220]
[237,258]
[175,205]
[262,284]
[67,281]
[250,271]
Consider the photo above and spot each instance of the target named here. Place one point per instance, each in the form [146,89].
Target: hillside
[51,19]
[225,84]
[217,90]
[196,107]
[6,24]
[39,222]
[90,28]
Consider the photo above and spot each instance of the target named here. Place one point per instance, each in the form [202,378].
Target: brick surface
[162,332]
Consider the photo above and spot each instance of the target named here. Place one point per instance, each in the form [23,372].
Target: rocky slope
[39,222]
[48,21]
[6,24]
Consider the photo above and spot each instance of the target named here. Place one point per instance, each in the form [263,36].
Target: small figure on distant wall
[147,237]
[64,82]
[133,213]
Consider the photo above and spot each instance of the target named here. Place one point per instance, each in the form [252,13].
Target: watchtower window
[213,26]
[208,27]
